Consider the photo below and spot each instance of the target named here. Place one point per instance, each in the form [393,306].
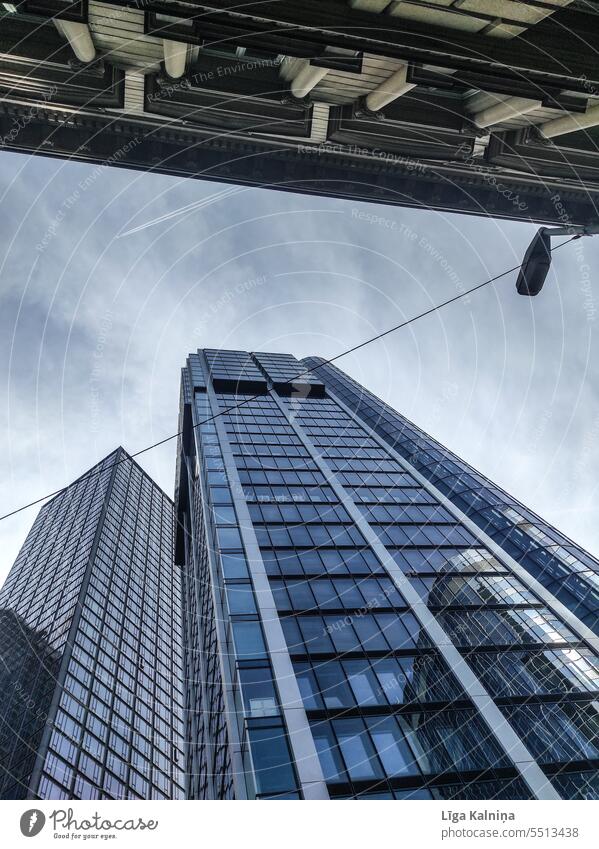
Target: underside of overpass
[488,107]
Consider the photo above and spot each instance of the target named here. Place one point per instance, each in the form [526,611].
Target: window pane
[272,761]
[220,495]
[370,634]
[293,638]
[356,748]
[342,633]
[240,598]
[391,678]
[315,636]
[395,754]
[258,691]
[333,686]
[300,595]
[308,686]
[228,538]
[363,682]
[234,566]
[328,754]
[248,639]
[393,630]
[224,515]
[349,595]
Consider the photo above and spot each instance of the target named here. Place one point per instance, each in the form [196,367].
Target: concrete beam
[513,107]
[570,123]
[175,57]
[79,37]
[305,77]
[389,90]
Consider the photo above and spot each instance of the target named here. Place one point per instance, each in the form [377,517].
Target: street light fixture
[537,258]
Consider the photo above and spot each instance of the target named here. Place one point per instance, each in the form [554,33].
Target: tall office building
[352,612]
[91,691]
[366,616]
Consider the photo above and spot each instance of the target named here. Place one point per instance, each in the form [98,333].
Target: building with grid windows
[91,703]
[366,616]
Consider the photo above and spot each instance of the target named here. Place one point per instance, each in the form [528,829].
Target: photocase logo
[32,822]
[63,823]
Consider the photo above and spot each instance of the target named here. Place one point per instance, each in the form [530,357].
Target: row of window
[354,464]
[364,449]
[306,478]
[294,494]
[322,562]
[378,632]
[479,590]
[292,514]
[275,462]
[513,788]
[515,673]
[337,593]
[366,750]
[446,560]
[329,426]
[429,534]
[291,448]
[375,682]
[406,514]
[308,536]
[504,627]
[372,479]
[258,439]
[236,429]
[558,733]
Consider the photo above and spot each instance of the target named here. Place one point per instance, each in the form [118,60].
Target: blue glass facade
[564,568]
[323,614]
[362,637]
[90,638]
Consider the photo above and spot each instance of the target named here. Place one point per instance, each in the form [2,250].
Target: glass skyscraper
[91,690]
[365,616]
[334,607]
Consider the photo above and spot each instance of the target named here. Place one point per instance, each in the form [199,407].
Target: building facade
[354,628]
[335,607]
[564,568]
[90,646]
[474,106]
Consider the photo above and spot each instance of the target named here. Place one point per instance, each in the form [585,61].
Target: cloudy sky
[96,326]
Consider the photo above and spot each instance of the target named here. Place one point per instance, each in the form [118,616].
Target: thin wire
[99,470]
